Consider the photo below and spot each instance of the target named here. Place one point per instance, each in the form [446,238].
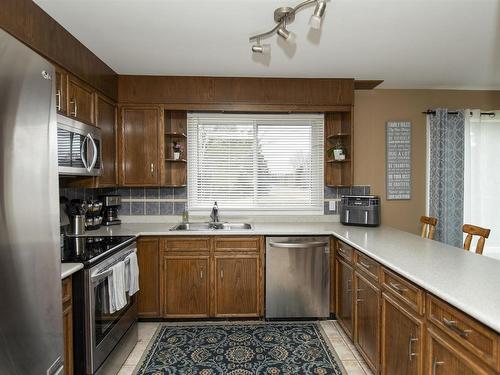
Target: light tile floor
[349,356]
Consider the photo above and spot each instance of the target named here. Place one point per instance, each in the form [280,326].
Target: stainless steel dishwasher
[297,277]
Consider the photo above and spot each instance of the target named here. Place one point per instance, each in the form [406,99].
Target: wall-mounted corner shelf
[176,160]
[176,135]
[339,161]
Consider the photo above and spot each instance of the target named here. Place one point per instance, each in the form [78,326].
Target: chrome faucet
[214,215]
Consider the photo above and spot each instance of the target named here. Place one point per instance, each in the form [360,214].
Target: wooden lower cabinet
[186,286]
[367,320]
[236,285]
[402,339]
[446,357]
[343,293]
[67,305]
[148,297]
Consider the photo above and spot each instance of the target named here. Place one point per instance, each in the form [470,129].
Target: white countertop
[68,269]
[466,280]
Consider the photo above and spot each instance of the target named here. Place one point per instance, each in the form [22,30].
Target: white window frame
[232,212]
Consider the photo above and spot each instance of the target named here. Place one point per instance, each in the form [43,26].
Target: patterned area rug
[240,349]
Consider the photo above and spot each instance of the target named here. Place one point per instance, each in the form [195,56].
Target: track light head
[261,48]
[287,35]
[317,16]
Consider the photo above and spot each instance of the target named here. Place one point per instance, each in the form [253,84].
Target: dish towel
[116,288]
[132,274]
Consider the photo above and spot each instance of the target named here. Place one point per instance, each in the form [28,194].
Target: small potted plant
[338,152]
[178,149]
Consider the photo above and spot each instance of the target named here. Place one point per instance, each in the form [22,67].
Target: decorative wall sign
[398,160]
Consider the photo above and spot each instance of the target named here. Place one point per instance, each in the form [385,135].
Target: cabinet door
[344,297]
[80,101]
[61,91]
[148,297]
[236,285]
[67,325]
[367,320]
[402,339]
[106,120]
[140,146]
[445,357]
[185,287]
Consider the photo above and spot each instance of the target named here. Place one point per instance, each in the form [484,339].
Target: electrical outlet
[332,205]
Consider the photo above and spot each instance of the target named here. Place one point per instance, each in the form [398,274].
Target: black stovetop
[91,249]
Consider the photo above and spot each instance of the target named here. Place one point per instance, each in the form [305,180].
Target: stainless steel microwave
[78,148]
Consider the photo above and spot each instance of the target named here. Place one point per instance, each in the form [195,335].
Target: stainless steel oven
[108,337]
[78,148]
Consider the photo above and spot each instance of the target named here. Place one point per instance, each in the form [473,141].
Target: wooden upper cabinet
[344,297]
[80,101]
[237,285]
[140,146]
[445,357]
[367,320]
[186,286]
[61,91]
[149,277]
[106,120]
[402,343]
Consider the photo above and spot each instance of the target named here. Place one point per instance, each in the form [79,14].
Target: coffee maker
[110,211]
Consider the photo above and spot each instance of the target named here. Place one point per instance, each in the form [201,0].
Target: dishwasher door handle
[297,245]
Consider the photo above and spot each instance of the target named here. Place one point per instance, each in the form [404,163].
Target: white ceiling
[408,43]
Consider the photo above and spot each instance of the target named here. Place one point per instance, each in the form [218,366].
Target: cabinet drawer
[237,244]
[404,290]
[475,337]
[367,265]
[185,244]
[345,251]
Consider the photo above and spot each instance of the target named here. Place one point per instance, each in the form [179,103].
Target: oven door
[103,328]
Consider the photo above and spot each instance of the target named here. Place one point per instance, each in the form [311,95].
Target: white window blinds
[251,163]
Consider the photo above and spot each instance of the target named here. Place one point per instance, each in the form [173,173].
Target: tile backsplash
[334,194]
[138,201]
[173,201]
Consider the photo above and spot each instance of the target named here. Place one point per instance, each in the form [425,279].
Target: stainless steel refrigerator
[31,339]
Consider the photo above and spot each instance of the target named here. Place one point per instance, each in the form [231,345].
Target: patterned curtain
[446,174]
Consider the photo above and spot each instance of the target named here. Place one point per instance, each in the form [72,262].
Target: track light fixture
[284,16]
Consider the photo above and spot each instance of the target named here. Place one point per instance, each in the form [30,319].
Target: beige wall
[372,109]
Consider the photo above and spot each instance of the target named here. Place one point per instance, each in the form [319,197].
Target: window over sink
[255,163]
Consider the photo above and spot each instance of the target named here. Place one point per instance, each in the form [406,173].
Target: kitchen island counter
[464,279]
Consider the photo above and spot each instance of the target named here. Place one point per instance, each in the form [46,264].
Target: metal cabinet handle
[397,287]
[75,107]
[435,364]
[349,289]
[451,324]
[201,274]
[411,354]
[365,265]
[357,292]
[58,101]
[221,273]
[294,245]
[152,167]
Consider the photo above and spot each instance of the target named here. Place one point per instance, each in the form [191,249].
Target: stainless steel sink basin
[210,226]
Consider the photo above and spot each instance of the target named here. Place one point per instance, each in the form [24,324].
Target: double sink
[193,227]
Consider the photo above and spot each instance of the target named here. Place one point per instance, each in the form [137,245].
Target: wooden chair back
[428,226]
[473,230]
